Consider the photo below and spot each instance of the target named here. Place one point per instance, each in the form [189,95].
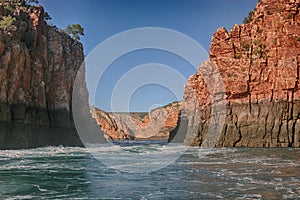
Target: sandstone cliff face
[155,125]
[37,72]
[259,66]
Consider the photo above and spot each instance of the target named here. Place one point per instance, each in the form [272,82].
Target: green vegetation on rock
[75,30]
[19,2]
[47,17]
[248,19]
[6,24]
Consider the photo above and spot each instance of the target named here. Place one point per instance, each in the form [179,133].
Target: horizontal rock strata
[37,72]
[258,64]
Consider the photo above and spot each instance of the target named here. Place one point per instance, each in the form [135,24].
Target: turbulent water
[75,173]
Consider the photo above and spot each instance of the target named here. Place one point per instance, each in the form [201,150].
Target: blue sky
[198,19]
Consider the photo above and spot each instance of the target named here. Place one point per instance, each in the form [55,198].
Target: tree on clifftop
[248,19]
[27,2]
[32,1]
[75,30]
[47,17]
[19,2]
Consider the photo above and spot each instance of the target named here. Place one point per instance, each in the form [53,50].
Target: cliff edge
[38,68]
[259,66]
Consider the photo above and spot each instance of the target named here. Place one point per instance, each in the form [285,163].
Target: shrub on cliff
[6,24]
[248,19]
[19,2]
[47,17]
[75,30]
[31,1]
[28,2]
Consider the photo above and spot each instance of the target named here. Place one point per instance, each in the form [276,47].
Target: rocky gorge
[246,95]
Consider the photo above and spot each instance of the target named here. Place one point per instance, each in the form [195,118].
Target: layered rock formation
[155,125]
[37,73]
[257,95]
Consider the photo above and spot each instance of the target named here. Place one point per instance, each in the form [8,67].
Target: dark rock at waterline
[23,136]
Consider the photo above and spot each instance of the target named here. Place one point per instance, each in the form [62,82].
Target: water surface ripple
[227,173]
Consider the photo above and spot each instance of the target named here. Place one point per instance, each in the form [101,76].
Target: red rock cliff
[259,66]
[155,125]
[37,72]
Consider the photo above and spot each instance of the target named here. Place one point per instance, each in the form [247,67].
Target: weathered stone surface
[37,73]
[259,67]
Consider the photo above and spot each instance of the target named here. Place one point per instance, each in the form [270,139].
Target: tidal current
[75,173]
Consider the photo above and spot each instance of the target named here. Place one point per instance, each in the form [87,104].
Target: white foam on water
[250,196]
[241,173]
[137,158]
[19,197]
[40,189]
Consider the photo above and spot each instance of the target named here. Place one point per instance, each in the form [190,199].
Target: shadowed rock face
[259,66]
[37,72]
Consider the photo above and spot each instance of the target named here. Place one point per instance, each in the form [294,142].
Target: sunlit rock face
[155,125]
[259,66]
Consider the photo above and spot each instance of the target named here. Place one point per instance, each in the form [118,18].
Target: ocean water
[195,173]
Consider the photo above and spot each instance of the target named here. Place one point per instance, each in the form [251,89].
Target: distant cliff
[37,72]
[155,125]
[259,65]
